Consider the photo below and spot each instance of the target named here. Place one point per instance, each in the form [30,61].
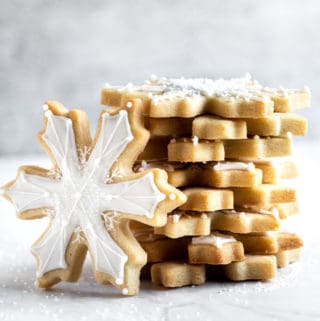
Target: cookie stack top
[183,97]
[227,145]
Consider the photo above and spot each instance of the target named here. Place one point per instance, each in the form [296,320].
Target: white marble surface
[293,295]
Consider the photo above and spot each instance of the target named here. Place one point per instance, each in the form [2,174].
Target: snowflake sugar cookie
[90,195]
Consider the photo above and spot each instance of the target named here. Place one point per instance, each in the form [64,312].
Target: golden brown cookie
[177,274]
[170,127]
[282,210]
[243,222]
[234,98]
[269,243]
[204,127]
[215,249]
[277,169]
[287,257]
[253,148]
[287,209]
[220,175]
[207,199]
[181,223]
[263,196]
[90,196]
[241,173]
[193,150]
[278,124]
[213,127]
[253,267]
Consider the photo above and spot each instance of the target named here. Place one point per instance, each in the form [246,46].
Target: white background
[67,50]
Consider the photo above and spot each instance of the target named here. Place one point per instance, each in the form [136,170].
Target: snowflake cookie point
[83,191]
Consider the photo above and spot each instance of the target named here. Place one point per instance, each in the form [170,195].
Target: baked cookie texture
[227,145]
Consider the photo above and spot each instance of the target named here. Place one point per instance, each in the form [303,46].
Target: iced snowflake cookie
[90,195]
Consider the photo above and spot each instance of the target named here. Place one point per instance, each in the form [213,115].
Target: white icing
[80,199]
[153,77]
[236,88]
[233,212]
[272,161]
[175,218]
[195,140]
[216,239]
[172,196]
[143,166]
[306,89]
[255,209]
[204,216]
[229,211]
[228,166]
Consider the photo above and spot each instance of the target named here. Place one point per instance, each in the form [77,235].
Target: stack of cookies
[227,144]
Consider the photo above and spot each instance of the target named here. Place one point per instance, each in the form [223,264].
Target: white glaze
[229,166]
[144,165]
[236,88]
[271,161]
[80,199]
[204,216]
[229,211]
[195,140]
[255,209]
[175,218]
[216,239]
